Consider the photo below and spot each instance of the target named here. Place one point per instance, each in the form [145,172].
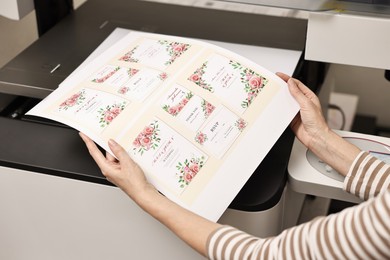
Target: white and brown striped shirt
[359,232]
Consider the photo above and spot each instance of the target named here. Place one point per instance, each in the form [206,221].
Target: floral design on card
[109,113]
[124,89]
[241,124]
[175,109]
[189,169]
[104,74]
[186,107]
[167,156]
[220,131]
[252,80]
[132,72]
[196,77]
[200,138]
[74,100]
[148,139]
[207,107]
[128,57]
[163,76]
[138,83]
[156,53]
[174,49]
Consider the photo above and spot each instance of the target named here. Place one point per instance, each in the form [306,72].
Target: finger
[120,152]
[305,90]
[283,76]
[296,92]
[96,154]
[110,157]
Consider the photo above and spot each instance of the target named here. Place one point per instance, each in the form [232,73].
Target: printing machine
[56,203]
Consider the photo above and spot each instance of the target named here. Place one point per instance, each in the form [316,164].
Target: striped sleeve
[360,232]
[367,176]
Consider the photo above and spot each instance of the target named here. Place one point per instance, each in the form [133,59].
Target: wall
[17,35]
[371,87]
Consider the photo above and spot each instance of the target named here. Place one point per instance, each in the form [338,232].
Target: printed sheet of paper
[188,112]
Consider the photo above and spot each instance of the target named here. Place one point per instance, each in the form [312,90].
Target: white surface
[275,60]
[304,178]
[45,217]
[348,104]
[349,38]
[16,9]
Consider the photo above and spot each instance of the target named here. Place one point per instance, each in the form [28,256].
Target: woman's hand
[123,172]
[309,124]
[128,176]
[311,129]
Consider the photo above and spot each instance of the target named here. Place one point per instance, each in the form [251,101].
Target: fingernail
[112,142]
[291,82]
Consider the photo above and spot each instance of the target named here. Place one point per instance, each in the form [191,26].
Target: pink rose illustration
[200,138]
[184,101]
[148,130]
[187,177]
[163,76]
[194,167]
[123,90]
[137,142]
[109,117]
[188,169]
[145,141]
[172,111]
[194,77]
[255,82]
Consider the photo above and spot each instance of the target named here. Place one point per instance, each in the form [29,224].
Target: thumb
[296,92]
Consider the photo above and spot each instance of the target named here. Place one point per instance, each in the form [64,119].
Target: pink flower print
[71,101]
[200,138]
[148,130]
[128,56]
[109,117]
[137,142]
[194,168]
[109,113]
[146,142]
[180,107]
[188,177]
[172,111]
[252,80]
[116,110]
[162,76]
[207,107]
[147,139]
[104,78]
[179,47]
[188,170]
[194,78]
[131,72]
[240,124]
[75,99]
[123,90]
[255,82]
[185,101]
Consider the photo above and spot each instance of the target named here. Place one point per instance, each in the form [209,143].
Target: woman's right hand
[310,127]
[121,171]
